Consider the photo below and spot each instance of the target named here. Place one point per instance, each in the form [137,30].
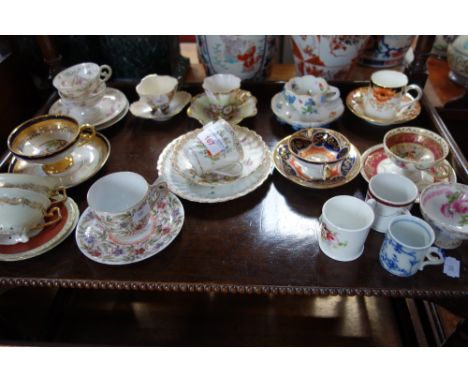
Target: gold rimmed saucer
[88,159]
[284,163]
[355,103]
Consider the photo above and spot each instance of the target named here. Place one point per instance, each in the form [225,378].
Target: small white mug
[344,226]
[390,195]
[407,247]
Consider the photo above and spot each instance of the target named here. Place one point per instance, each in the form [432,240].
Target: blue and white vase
[247,57]
[386,51]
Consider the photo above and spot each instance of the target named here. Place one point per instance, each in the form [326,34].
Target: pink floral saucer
[98,243]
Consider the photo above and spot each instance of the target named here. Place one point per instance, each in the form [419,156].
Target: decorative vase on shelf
[441,42]
[386,51]
[330,57]
[457,57]
[248,57]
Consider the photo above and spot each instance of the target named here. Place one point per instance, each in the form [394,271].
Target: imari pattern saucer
[100,244]
[285,164]
[355,103]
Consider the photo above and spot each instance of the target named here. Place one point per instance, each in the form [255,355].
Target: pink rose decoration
[460,206]
[445,210]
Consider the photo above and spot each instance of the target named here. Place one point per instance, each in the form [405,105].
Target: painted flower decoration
[383,95]
[456,205]
[331,237]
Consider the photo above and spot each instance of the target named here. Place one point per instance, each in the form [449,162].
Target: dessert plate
[287,114]
[285,164]
[204,112]
[355,103]
[111,106]
[255,153]
[99,244]
[142,109]
[208,194]
[88,159]
[376,161]
[47,239]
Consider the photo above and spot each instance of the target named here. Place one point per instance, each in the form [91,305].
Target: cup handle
[334,94]
[61,193]
[439,257]
[418,95]
[372,203]
[87,133]
[226,173]
[157,188]
[242,96]
[105,72]
[50,214]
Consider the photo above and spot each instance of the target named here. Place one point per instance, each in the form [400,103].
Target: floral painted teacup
[309,95]
[344,226]
[157,91]
[386,94]
[122,202]
[224,93]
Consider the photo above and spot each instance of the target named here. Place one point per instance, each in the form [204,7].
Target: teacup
[23,213]
[344,226]
[81,79]
[308,94]
[318,152]
[122,201]
[390,195]
[87,101]
[49,140]
[386,94]
[407,246]
[223,90]
[157,91]
[216,150]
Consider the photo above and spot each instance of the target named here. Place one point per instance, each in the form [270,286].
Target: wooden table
[265,242]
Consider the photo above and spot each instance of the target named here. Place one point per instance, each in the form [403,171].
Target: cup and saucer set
[159,98]
[85,97]
[307,101]
[35,216]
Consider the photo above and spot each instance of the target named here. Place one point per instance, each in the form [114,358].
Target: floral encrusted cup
[122,201]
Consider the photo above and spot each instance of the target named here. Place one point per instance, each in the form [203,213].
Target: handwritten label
[212,141]
[452,267]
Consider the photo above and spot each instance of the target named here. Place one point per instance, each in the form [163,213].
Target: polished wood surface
[265,242]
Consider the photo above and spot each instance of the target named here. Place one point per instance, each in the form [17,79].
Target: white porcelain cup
[344,226]
[122,201]
[23,213]
[157,91]
[223,90]
[226,162]
[82,79]
[390,195]
[386,92]
[407,247]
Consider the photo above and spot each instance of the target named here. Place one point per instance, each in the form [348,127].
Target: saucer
[208,194]
[285,164]
[113,121]
[255,153]
[47,239]
[111,106]
[142,110]
[286,114]
[200,110]
[99,244]
[88,160]
[355,103]
[376,161]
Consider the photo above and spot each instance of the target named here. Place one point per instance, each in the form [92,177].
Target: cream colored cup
[223,90]
[157,91]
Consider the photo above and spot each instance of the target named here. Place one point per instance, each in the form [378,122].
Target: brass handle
[61,193]
[50,214]
[87,133]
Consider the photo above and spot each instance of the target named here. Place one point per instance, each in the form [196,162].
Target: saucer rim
[175,235]
[165,117]
[375,121]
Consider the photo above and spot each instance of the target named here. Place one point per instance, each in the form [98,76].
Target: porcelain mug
[307,94]
[385,96]
[226,162]
[122,201]
[23,213]
[81,79]
[223,90]
[344,226]
[390,195]
[407,246]
[158,91]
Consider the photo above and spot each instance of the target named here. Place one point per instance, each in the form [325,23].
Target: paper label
[212,141]
[452,267]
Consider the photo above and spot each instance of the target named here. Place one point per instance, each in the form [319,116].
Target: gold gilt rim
[351,101]
[12,168]
[309,184]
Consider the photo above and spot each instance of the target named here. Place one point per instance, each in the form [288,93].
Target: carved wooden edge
[227,288]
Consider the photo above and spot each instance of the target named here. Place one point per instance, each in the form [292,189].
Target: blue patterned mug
[407,247]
